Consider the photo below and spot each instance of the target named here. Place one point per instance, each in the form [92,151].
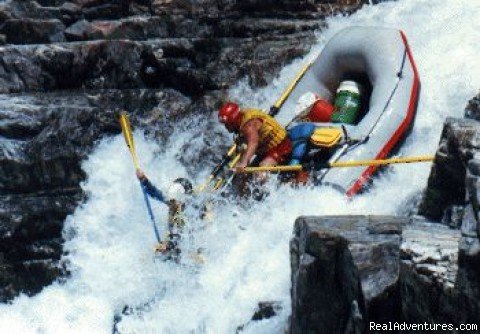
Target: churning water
[110,239]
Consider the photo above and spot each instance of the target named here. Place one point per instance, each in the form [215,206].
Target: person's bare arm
[251,133]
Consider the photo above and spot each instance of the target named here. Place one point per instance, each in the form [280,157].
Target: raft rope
[399,78]
[354,163]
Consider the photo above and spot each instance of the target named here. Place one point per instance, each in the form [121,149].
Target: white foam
[111,238]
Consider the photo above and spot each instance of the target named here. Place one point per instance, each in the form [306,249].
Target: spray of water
[109,238]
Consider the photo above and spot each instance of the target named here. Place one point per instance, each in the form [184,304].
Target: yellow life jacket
[271,132]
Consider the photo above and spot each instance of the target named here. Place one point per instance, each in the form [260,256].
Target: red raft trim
[357,186]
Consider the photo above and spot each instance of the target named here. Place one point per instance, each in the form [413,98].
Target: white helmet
[304,103]
[179,189]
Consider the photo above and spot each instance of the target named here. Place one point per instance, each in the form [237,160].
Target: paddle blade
[127,134]
[126,129]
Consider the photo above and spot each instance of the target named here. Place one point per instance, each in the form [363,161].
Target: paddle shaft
[279,103]
[358,163]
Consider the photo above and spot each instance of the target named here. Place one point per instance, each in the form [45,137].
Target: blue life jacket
[300,135]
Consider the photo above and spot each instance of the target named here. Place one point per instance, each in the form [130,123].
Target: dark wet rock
[47,154]
[265,310]
[70,8]
[94,65]
[135,28]
[264,7]
[125,64]
[470,228]
[28,9]
[344,272]
[438,284]
[163,26]
[473,108]
[265,59]
[459,141]
[453,216]
[30,31]
[440,275]
[178,68]
[348,271]
[71,13]
[89,3]
[458,173]
[84,30]
[109,11]
[468,280]
[267,27]
[31,239]
[47,136]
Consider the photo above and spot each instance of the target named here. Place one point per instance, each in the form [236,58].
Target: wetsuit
[153,191]
[175,217]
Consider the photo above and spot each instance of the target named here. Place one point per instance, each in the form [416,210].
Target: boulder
[438,284]
[265,310]
[33,31]
[459,141]
[31,239]
[110,11]
[47,136]
[93,65]
[470,227]
[351,271]
[28,9]
[473,108]
[439,272]
[344,272]
[135,28]
[70,8]
[83,30]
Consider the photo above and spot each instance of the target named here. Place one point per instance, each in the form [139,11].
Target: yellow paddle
[378,162]
[286,93]
[127,134]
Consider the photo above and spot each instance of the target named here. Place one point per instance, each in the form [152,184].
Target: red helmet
[230,115]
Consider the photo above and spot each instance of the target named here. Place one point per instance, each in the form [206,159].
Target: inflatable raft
[381,61]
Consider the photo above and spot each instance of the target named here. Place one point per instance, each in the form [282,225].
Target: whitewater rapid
[110,239]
